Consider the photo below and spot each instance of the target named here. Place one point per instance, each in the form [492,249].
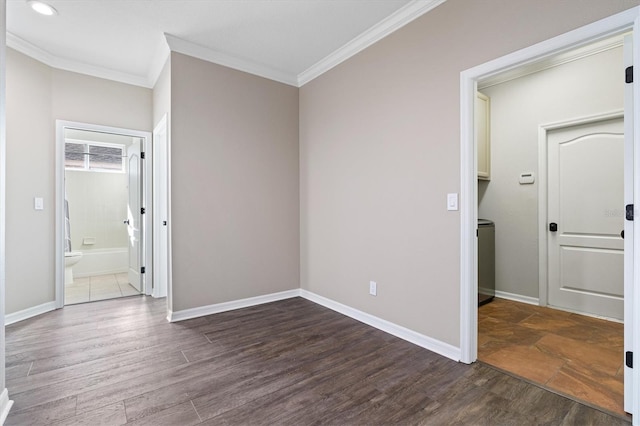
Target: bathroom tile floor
[99,287]
[574,355]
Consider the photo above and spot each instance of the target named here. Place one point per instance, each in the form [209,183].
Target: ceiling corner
[191,49]
[395,21]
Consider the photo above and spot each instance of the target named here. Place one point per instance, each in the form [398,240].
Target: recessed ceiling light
[42,8]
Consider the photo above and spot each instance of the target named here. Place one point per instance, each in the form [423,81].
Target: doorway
[102,231]
[576,164]
[615,25]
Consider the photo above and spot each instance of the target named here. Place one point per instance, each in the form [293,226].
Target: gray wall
[379,151]
[234,184]
[37,95]
[588,86]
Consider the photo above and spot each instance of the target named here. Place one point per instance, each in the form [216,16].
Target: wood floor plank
[290,362]
[111,415]
[180,414]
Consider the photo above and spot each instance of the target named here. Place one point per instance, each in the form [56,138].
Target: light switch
[38,203]
[452,201]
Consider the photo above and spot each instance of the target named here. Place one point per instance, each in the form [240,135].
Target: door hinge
[143,210]
[142,155]
[629,211]
[628,359]
[628,75]
[143,270]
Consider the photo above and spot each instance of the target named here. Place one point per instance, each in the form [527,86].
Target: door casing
[618,24]
[61,125]
[161,211]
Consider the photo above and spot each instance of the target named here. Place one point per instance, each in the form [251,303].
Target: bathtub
[101,262]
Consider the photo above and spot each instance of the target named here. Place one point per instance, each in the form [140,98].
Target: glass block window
[94,157]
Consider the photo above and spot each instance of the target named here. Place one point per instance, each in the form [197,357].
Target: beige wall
[235,192]
[30,173]
[588,86]
[37,95]
[78,97]
[379,151]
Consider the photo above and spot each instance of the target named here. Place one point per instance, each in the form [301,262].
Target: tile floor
[99,287]
[575,355]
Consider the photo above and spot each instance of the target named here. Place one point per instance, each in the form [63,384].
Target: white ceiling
[291,41]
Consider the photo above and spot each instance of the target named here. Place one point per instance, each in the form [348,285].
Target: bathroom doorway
[102,231]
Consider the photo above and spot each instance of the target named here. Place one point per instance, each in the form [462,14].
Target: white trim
[565,58]
[191,49]
[217,308]
[161,128]
[34,311]
[543,129]
[600,30]
[5,405]
[635,302]
[33,51]
[59,201]
[411,11]
[518,298]
[399,331]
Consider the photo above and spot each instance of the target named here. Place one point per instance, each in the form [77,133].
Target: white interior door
[586,202]
[133,220]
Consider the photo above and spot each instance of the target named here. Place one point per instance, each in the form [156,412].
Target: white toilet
[70,259]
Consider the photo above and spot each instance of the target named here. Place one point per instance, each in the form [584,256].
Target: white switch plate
[452,201]
[38,203]
[373,288]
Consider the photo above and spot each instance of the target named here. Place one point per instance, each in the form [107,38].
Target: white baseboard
[518,298]
[29,313]
[421,340]
[230,306]
[5,405]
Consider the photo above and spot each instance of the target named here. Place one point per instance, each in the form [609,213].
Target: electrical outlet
[373,288]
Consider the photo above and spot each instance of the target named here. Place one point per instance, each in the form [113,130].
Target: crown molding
[397,20]
[31,50]
[553,61]
[191,49]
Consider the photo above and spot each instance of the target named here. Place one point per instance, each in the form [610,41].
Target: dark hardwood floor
[290,362]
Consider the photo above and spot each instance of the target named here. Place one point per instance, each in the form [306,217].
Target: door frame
[617,24]
[543,130]
[61,125]
[161,185]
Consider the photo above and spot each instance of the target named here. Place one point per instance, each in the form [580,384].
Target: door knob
[622,234]
[126,221]
[164,223]
[553,227]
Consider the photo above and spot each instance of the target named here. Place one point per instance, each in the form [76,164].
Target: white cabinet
[483,136]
